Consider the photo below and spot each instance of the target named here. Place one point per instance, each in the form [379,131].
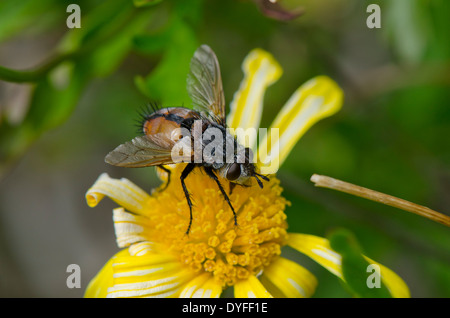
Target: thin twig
[331,183]
[18,76]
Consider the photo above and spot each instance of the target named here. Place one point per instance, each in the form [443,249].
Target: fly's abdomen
[166,120]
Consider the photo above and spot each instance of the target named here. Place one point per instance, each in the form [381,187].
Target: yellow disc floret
[215,244]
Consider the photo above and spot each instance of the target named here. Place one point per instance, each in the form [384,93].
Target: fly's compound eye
[234,172]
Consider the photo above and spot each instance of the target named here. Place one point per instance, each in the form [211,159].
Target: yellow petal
[141,248]
[123,192]
[318,249]
[124,276]
[318,98]
[129,228]
[151,275]
[293,280]
[163,175]
[260,70]
[202,286]
[396,286]
[250,288]
[98,286]
[211,289]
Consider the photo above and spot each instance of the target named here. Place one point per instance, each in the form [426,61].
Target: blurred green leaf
[94,50]
[439,46]
[97,24]
[17,15]
[167,82]
[108,57]
[143,3]
[153,43]
[51,106]
[408,27]
[354,266]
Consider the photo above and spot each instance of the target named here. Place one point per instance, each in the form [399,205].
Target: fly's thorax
[223,152]
[212,145]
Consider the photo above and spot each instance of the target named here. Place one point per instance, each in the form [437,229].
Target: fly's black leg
[211,174]
[168,177]
[183,176]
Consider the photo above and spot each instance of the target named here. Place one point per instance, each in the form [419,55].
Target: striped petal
[141,248]
[129,228]
[260,70]
[250,288]
[203,286]
[318,98]
[151,275]
[122,191]
[291,279]
[318,249]
[98,286]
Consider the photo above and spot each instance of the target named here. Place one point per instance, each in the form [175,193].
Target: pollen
[215,244]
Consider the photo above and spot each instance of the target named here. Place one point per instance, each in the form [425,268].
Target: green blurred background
[82,89]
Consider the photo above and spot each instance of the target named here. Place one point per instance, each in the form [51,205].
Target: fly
[160,134]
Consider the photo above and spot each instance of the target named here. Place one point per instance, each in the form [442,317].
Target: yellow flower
[160,260]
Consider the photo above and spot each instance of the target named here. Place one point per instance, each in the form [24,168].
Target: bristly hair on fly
[143,114]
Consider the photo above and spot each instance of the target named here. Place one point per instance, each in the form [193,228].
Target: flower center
[215,244]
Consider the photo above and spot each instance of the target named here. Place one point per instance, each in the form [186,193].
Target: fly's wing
[141,152]
[204,85]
